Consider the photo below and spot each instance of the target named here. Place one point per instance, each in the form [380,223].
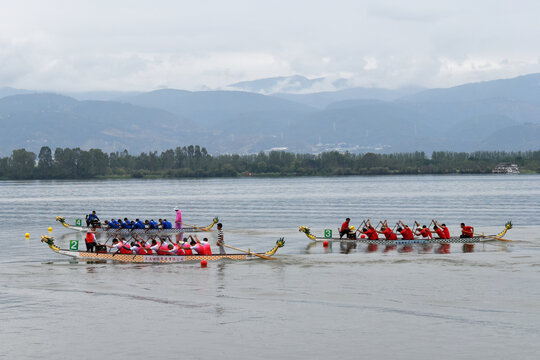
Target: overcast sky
[145,45]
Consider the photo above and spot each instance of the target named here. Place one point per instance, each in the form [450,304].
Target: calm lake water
[312,303]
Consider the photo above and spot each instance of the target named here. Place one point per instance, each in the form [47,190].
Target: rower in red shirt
[387,232]
[440,232]
[370,232]
[466,231]
[444,229]
[406,231]
[424,232]
[345,228]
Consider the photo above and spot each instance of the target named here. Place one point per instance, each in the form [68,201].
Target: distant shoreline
[194,162]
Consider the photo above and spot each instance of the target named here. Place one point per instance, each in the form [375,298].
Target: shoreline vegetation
[194,161]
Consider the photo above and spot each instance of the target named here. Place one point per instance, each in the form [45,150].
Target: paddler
[466,231]
[345,229]
[90,240]
[370,232]
[387,232]
[424,232]
[406,232]
[444,229]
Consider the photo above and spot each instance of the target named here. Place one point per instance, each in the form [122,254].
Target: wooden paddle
[250,253]
[196,227]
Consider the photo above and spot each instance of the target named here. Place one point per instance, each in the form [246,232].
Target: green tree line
[194,161]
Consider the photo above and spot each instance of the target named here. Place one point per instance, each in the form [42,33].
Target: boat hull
[454,240]
[151,259]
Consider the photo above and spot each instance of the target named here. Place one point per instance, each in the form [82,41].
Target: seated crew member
[444,229]
[92,220]
[152,224]
[138,224]
[120,245]
[113,224]
[166,224]
[345,230]
[439,231]
[177,249]
[90,240]
[197,246]
[124,224]
[387,232]
[406,232]
[370,232]
[424,232]
[186,247]
[207,247]
[466,231]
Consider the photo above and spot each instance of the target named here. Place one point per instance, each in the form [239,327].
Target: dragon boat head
[306,231]
[49,240]
[62,220]
[279,243]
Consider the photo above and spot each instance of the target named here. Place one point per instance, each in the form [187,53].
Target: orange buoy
[325,243]
[204,263]
[27,235]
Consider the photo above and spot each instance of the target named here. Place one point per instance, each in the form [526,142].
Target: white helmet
[176,208]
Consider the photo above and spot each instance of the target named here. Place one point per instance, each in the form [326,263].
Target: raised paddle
[250,253]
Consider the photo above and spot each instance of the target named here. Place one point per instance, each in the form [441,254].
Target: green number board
[328,233]
[74,245]
[78,222]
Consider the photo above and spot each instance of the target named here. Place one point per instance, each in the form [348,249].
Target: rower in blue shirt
[113,224]
[124,224]
[138,224]
[92,219]
[166,224]
[152,224]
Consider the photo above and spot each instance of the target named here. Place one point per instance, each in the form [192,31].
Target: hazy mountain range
[492,115]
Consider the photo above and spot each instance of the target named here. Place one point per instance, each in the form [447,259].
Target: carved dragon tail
[507,227]
[279,243]
[305,230]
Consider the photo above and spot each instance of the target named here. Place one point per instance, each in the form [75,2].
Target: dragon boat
[190,228]
[478,238]
[160,259]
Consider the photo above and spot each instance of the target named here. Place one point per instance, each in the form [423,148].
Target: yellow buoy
[27,235]
[50,229]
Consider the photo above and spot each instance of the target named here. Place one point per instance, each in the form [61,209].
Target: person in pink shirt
[178,221]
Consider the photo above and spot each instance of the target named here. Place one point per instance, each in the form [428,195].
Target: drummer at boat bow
[92,220]
[90,240]
[466,231]
[345,230]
